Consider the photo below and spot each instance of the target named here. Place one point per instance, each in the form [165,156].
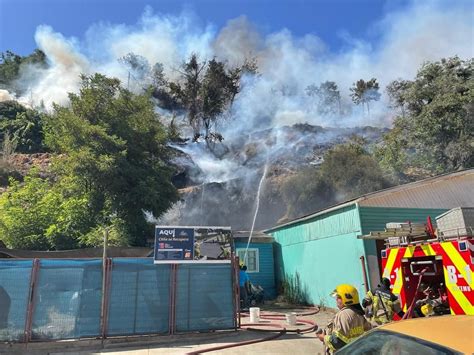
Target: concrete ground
[290,343]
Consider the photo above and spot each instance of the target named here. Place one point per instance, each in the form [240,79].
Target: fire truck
[441,259]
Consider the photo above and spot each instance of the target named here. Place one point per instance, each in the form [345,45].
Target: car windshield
[387,343]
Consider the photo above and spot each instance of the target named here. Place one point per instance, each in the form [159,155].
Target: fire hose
[410,309]
[279,328]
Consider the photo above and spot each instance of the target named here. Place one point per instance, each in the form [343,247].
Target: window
[252,259]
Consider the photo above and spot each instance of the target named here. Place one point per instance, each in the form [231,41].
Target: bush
[294,291]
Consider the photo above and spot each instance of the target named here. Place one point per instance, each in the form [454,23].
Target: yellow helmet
[427,309]
[347,293]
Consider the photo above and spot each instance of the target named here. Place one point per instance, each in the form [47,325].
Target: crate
[456,222]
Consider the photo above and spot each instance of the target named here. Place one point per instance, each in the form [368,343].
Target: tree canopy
[206,91]
[365,91]
[328,96]
[348,170]
[11,64]
[23,125]
[111,167]
[435,130]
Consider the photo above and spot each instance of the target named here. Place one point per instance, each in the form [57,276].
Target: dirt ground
[289,343]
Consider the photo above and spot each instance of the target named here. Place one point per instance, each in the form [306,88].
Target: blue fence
[63,299]
[14,292]
[67,299]
[139,299]
[207,312]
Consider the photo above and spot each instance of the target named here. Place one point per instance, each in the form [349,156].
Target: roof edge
[312,215]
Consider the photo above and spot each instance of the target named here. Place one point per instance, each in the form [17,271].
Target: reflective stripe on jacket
[348,325]
[383,313]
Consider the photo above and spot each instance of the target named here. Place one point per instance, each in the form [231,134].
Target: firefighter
[349,323]
[382,303]
[431,301]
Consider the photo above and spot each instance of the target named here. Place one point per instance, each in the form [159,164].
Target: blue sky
[330,20]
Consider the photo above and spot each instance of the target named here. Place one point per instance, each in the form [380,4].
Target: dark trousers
[244,296]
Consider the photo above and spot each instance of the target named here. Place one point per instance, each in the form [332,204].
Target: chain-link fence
[53,299]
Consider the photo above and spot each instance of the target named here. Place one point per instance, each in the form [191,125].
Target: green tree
[138,68]
[348,171]
[23,218]
[395,91]
[44,215]
[206,91]
[328,96]
[436,131]
[365,91]
[306,192]
[352,171]
[115,145]
[11,64]
[23,125]
[9,68]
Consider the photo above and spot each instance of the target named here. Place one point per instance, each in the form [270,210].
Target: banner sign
[174,244]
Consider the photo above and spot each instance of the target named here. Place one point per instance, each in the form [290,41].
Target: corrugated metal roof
[443,191]
[446,191]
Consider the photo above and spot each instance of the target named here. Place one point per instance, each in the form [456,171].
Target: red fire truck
[444,260]
[448,267]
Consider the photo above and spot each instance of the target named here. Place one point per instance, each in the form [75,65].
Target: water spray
[256,209]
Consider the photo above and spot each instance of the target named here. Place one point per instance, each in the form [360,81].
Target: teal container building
[323,250]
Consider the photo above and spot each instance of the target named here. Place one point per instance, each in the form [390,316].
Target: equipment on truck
[431,270]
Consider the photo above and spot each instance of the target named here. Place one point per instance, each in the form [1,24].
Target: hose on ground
[280,329]
[248,342]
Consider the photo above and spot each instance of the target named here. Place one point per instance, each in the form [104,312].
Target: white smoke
[5,95]
[419,33]
[66,64]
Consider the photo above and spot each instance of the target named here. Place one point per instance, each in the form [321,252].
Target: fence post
[104,285]
[172,300]
[31,300]
[106,298]
[235,291]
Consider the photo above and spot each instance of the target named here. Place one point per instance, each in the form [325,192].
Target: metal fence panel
[67,299]
[139,297]
[14,290]
[204,297]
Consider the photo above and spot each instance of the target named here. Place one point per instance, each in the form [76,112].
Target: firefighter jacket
[348,324]
[384,305]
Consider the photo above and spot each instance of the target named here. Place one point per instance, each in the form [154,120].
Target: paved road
[290,343]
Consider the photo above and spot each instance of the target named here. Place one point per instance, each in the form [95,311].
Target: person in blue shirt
[244,283]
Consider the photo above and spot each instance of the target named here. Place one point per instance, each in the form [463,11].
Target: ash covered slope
[219,183]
